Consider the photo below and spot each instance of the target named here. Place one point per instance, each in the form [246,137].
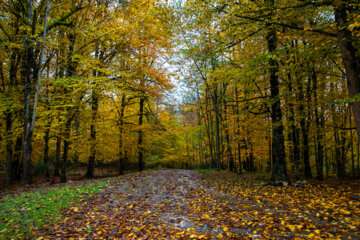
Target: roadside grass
[20,214]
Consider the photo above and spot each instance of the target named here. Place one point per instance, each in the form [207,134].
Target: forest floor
[185,204]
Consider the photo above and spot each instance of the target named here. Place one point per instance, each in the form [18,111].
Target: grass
[20,214]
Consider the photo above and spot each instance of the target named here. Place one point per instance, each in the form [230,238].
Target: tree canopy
[256,86]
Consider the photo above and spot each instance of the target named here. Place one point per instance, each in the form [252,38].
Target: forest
[179,119]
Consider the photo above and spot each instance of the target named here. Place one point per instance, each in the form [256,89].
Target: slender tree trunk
[75,156]
[216,105]
[46,150]
[9,147]
[57,155]
[229,155]
[293,132]
[337,140]
[94,111]
[92,157]
[121,133]
[27,74]
[353,173]
[306,130]
[341,164]
[17,166]
[200,136]
[70,71]
[67,131]
[279,172]
[319,122]
[9,118]
[237,119]
[141,135]
[208,124]
[47,135]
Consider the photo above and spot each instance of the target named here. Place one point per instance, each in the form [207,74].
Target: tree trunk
[57,155]
[27,75]
[17,166]
[47,135]
[75,156]
[70,71]
[92,157]
[121,133]
[237,119]
[31,75]
[9,118]
[279,172]
[349,56]
[141,135]
[9,147]
[229,155]
[319,124]
[67,131]
[358,158]
[46,150]
[337,140]
[216,105]
[353,173]
[293,132]
[208,124]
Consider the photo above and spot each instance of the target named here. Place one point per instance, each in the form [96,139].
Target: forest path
[146,205]
[184,204]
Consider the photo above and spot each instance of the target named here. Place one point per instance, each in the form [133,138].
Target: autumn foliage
[265,92]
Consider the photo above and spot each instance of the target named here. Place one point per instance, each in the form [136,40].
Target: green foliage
[22,213]
[353,99]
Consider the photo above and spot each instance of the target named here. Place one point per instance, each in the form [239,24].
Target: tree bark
[238,137]
[70,71]
[9,147]
[47,135]
[67,131]
[319,124]
[121,133]
[27,74]
[57,155]
[92,157]
[216,105]
[141,135]
[208,125]
[46,150]
[229,154]
[350,58]
[279,172]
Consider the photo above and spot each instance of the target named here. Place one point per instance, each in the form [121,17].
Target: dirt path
[179,204]
[148,205]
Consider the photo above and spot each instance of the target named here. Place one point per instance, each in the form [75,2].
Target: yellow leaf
[311,235]
[345,212]
[74,209]
[205,216]
[225,228]
[291,227]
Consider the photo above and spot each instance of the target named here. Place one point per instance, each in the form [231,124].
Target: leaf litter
[184,204]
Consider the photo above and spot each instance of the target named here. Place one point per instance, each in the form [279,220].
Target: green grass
[20,214]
